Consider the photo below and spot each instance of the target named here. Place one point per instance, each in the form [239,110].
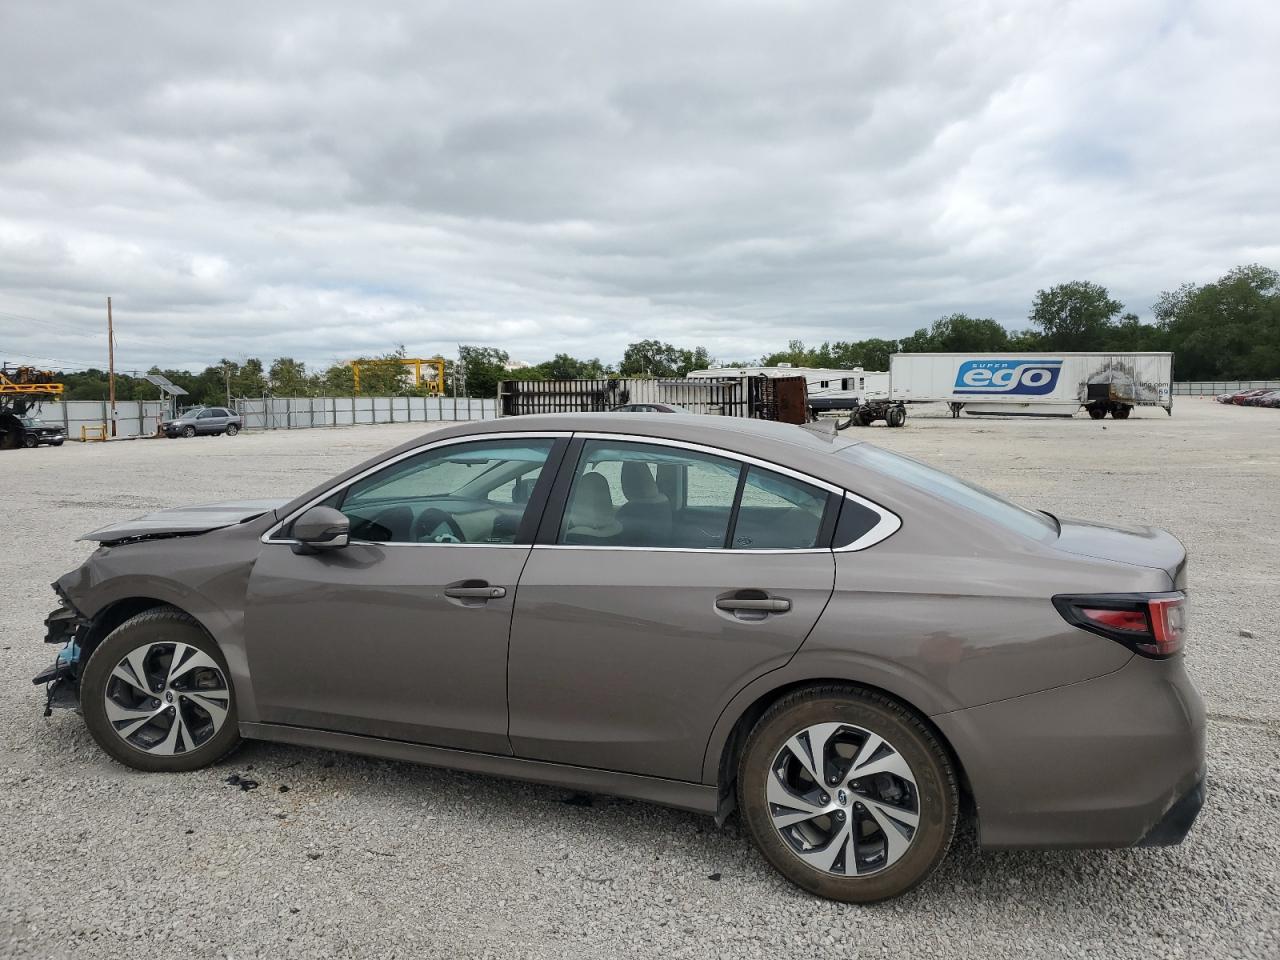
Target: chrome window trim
[889,524]
[446,442]
[718,452]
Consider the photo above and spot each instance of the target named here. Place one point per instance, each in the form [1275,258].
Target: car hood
[1137,545]
[183,521]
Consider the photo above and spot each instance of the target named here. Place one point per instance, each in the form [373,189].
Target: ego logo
[1026,377]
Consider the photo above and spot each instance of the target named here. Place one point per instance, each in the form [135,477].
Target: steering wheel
[430,520]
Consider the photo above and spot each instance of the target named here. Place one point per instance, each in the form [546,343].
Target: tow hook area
[61,678]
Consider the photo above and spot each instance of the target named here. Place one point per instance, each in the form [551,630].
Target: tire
[139,732]
[29,441]
[896,417]
[1120,412]
[851,716]
[1097,413]
[232,429]
[188,432]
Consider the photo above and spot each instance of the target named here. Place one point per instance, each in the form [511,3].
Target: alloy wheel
[166,698]
[843,799]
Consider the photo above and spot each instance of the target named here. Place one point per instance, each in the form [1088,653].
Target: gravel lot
[371,858]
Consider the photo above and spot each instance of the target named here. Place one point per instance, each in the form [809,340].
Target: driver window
[455,494]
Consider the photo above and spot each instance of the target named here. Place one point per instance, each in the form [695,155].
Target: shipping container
[1035,384]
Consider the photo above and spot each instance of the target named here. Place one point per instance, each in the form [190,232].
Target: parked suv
[36,432]
[208,420]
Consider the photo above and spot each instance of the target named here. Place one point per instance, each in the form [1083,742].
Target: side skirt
[696,797]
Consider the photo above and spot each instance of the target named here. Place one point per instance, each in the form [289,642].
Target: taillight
[1152,624]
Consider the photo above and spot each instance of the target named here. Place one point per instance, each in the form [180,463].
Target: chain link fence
[1211,388]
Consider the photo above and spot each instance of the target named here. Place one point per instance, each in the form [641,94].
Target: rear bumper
[1110,762]
[1176,823]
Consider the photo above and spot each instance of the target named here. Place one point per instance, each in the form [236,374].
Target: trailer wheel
[895,416]
[1097,413]
[1120,412]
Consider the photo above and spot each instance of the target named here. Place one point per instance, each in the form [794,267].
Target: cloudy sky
[323,180]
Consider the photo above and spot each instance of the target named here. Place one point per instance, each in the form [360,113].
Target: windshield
[953,490]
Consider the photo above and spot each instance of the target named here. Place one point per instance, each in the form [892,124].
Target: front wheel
[156,694]
[188,431]
[848,793]
[29,441]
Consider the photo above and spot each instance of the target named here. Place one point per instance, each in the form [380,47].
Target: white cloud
[323,180]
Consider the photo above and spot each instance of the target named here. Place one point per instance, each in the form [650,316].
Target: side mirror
[321,528]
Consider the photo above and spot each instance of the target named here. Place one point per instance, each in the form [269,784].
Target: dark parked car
[35,432]
[708,612]
[204,420]
[649,408]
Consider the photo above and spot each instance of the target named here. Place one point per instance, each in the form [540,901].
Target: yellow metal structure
[28,382]
[436,383]
[95,433]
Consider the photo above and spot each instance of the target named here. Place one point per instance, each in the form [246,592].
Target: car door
[403,634]
[207,421]
[665,578]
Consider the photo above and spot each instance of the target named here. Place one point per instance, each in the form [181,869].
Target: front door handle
[471,590]
[760,605]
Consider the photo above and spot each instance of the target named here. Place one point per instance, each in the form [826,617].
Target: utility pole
[111,367]
[226,368]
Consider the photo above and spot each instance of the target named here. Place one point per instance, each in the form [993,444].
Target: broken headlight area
[61,679]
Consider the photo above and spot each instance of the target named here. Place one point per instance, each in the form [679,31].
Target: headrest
[638,485]
[592,504]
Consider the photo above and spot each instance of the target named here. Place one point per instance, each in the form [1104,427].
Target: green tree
[958,333]
[1075,316]
[653,358]
[1228,329]
[289,378]
[564,367]
[483,368]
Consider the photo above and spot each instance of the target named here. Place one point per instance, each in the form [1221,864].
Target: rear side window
[631,494]
[778,513]
[951,489]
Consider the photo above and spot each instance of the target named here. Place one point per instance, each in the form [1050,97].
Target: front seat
[590,517]
[646,516]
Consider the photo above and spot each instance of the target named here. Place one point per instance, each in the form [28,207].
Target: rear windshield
[915,474]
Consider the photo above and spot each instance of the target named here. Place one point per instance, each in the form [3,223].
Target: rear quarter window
[952,490]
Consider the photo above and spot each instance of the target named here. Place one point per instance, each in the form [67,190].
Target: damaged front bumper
[61,678]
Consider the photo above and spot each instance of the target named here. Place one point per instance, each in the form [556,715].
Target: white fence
[294,413]
[134,418]
[1211,388]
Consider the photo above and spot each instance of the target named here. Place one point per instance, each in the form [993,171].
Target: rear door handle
[481,592]
[768,605]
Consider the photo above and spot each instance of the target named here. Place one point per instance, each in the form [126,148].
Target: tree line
[1225,330]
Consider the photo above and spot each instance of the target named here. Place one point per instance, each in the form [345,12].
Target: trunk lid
[183,521]
[1137,545]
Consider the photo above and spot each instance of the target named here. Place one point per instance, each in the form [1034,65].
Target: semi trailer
[1034,384]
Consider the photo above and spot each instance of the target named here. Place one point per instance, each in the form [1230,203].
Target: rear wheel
[156,694]
[896,417]
[1097,413]
[232,429]
[1120,412]
[847,793]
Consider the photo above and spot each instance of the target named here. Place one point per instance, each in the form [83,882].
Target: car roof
[730,432]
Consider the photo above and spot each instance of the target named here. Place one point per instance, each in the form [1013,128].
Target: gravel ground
[338,856]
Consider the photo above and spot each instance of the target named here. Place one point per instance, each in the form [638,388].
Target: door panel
[364,640]
[620,659]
